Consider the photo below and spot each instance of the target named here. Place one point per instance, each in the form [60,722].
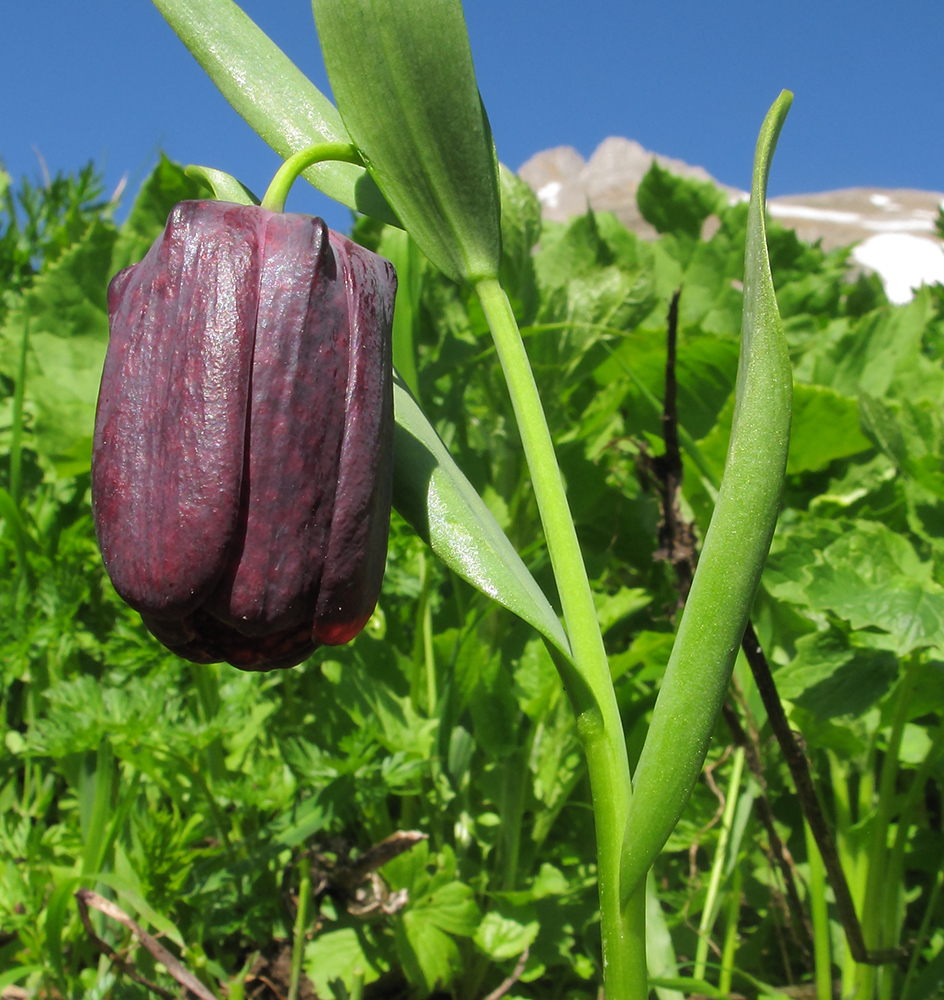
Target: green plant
[221,795]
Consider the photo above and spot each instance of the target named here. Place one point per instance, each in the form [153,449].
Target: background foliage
[203,800]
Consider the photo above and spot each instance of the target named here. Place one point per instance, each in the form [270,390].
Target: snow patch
[548,195]
[812,214]
[898,225]
[902,262]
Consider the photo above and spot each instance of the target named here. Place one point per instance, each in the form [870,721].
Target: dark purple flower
[241,472]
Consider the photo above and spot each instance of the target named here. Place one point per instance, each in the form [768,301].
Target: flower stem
[587,675]
[287,174]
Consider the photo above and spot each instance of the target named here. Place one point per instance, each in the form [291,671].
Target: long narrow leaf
[403,78]
[276,99]
[732,557]
[436,499]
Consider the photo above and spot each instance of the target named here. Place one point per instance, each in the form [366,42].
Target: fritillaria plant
[409,143]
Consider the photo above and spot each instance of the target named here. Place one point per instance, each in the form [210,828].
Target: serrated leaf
[830,678]
[825,427]
[506,931]
[65,314]
[342,954]
[674,204]
[272,94]
[166,185]
[864,573]
[436,499]
[428,925]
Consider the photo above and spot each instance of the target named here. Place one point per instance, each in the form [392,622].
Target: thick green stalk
[587,676]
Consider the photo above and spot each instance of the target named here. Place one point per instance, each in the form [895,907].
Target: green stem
[301,923]
[16,428]
[287,174]
[731,934]
[709,911]
[924,930]
[587,676]
[874,929]
[820,916]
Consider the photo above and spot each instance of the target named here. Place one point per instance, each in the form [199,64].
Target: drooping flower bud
[242,462]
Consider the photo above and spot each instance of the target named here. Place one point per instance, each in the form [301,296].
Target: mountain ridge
[893,229]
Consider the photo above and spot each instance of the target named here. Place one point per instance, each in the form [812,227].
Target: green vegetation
[226,812]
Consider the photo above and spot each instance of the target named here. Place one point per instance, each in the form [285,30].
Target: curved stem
[287,174]
[587,675]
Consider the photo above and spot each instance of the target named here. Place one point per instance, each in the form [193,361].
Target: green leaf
[425,933]
[506,931]
[732,557]
[436,499]
[674,204]
[825,427]
[831,678]
[880,351]
[866,574]
[911,433]
[224,186]
[272,94]
[65,313]
[167,184]
[403,78]
[342,954]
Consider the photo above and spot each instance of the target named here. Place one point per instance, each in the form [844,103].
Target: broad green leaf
[342,954]
[825,427]
[166,185]
[64,312]
[879,351]
[674,204]
[911,433]
[705,371]
[614,608]
[403,78]
[428,925]
[831,678]
[505,931]
[732,557]
[272,94]
[864,573]
[436,499]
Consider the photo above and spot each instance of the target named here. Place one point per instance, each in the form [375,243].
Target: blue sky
[108,80]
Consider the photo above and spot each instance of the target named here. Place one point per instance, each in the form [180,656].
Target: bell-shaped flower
[242,461]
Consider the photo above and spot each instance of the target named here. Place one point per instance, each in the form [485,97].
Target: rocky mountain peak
[893,229]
